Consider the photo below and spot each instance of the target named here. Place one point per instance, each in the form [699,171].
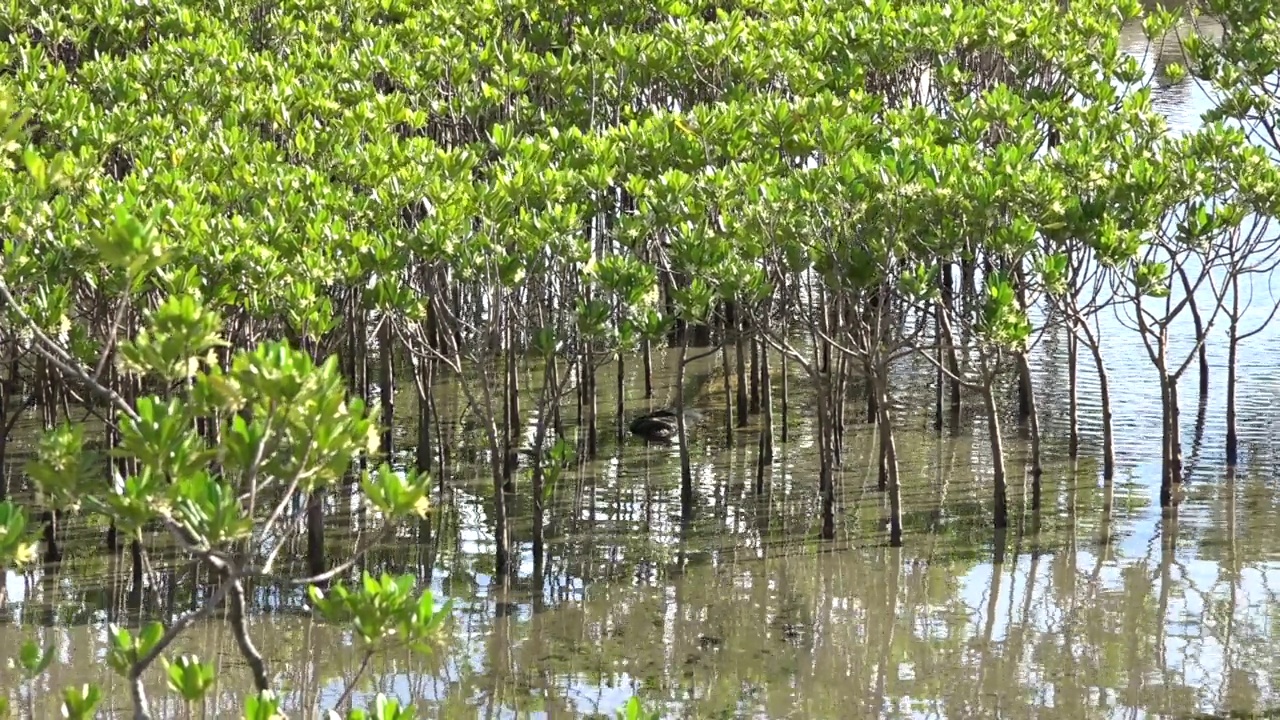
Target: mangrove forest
[693,358]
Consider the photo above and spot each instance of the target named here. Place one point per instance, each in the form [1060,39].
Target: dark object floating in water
[660,425]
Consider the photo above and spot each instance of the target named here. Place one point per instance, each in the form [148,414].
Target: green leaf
[33,660]
[263,706]
[80,703]
[189,677]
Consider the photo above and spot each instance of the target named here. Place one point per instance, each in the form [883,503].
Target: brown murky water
[1093,609]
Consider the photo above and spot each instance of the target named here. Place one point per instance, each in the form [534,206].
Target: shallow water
[1096,608]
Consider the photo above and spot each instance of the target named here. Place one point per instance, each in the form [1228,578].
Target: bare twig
[61,359]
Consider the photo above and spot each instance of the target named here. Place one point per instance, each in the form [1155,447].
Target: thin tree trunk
[839,387]
[593,435]
[388,390]
[1024,393]
[755,376]
[766,429]
[1166,444]
[889,455]
[365,387]
[740,356]
[648,369]
[5,385]
[1203,351]
[620,402]
[1174,443]
[766,402]
[947,339]
[939,375]
[1001,500]
[514,426]
[502,533]
[315,531]
[423,371]
[686,469]
[786,384]
[550,390]
[727,390]
[826,467]
[1233,350]
[1073,395]
[1033,418]
[1104,396]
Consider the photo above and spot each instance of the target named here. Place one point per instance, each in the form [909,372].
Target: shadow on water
[1097,607]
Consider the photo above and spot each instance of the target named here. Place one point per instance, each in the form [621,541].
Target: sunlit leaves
[635,710]
[189,677]
[633,282]
[1201,223]
[80,703]
[32,660]
[210,509]
[593,317]
[138,499]
[918,283]
[309,311]
[384,708]
[125,649]
[130,243]
[49,309]
[1240,66]
[1053,271]
[175,339]
[16,548]
[262,706]
[303,425]
[1003,321]
[164,439]
[63,467]
[396,494]
[1152,279]
[12,120]
[545,342]
[694,301]
[384,610]
[1015,238]
[36,167]
[651,324]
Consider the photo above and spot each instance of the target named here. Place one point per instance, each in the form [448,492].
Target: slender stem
[251,477]
[346,692]
[141,709]
[176,629]
[111,336]
[61,359]
[235,615]
[356,554]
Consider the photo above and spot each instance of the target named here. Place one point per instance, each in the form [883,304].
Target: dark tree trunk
[316,561]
